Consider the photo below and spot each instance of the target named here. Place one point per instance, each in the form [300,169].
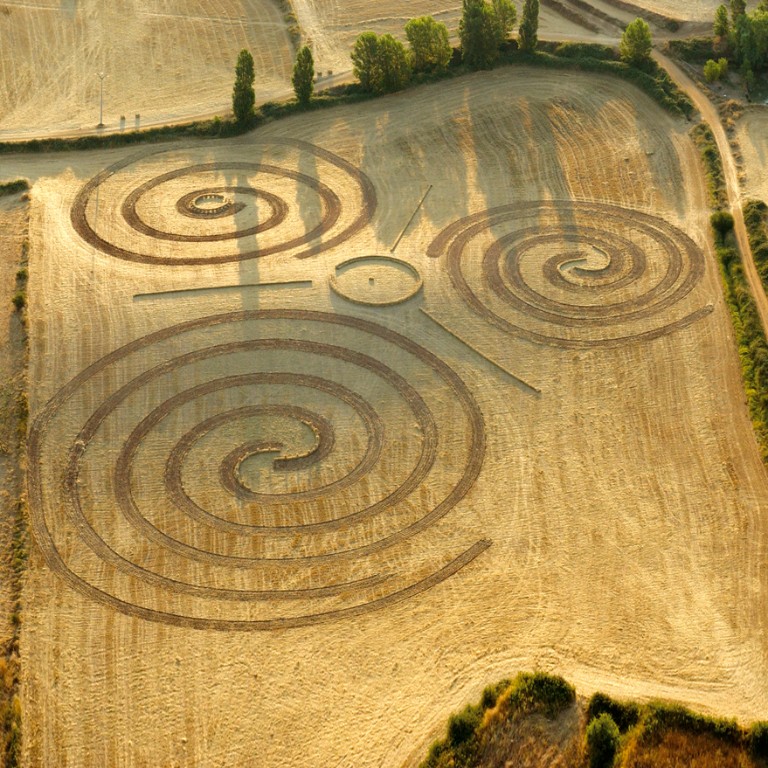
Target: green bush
[462,725]
[540,692]
[758,740]
[12,187]
[585,51]
[19,300]
[602,741]
[694,50]
[722,223]
[704,139]
[491,694]
[624,714]
[663,717]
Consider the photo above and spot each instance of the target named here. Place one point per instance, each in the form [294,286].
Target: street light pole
[101,76]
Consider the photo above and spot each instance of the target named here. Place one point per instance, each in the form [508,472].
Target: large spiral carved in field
[285,196]
[573,274]
[271,471]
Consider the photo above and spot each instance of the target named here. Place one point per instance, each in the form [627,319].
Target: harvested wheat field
[752,134]
[163,59]
[335,423]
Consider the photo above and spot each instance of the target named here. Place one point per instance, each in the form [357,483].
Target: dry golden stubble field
[279,527]
[752,135]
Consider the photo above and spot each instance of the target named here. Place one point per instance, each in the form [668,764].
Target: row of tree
[743,36]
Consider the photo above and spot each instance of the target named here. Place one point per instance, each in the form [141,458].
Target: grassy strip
[750,336]
[292,21]
[704,139]
[582,5]
[583,57]
[656,18]
[645,725]
[568,13]
[537,693]
[694,50]
[756,219]
[16,413]
[13,187]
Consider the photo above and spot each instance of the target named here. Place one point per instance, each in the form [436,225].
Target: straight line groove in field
[219,288]
[485,357]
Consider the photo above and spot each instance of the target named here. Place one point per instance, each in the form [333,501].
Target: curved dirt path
[733,189]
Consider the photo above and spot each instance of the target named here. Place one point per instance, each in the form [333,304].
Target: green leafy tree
[529,26]
[365,59]
[715,70]
[479,34]
[602,741]
[394,66]
[721,25]
[430,47]
[738,8]
[635,45]
[243,95]
[506,17]
[303,75]
[759,23]
[380,63]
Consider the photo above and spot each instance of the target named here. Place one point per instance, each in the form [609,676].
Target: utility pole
[101,76]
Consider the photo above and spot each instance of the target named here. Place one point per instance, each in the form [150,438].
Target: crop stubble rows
[503,292]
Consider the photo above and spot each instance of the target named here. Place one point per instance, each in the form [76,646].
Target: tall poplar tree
[529,26]
[243,95]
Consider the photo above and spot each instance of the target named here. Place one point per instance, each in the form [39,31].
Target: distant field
[297,504]
[163,59]
[168,59]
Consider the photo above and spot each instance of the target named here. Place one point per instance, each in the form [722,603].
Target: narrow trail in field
[709,113]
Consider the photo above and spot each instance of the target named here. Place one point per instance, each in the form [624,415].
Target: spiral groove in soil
[352,562]
[327,233]
[533,269]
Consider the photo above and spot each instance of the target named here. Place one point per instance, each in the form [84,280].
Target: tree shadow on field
[403,156]
[248,268]
[307,200]
[515,150]
[69,8]
[663,165]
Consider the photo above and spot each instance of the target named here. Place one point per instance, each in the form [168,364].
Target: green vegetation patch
[610,733]
[13,187]
[750,337]
[704,139]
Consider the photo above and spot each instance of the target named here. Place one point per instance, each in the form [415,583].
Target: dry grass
[678,749]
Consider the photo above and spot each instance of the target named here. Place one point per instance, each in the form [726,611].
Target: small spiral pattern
[573,274]
[134,212]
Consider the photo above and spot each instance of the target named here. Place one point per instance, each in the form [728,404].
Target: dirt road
[710,114]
